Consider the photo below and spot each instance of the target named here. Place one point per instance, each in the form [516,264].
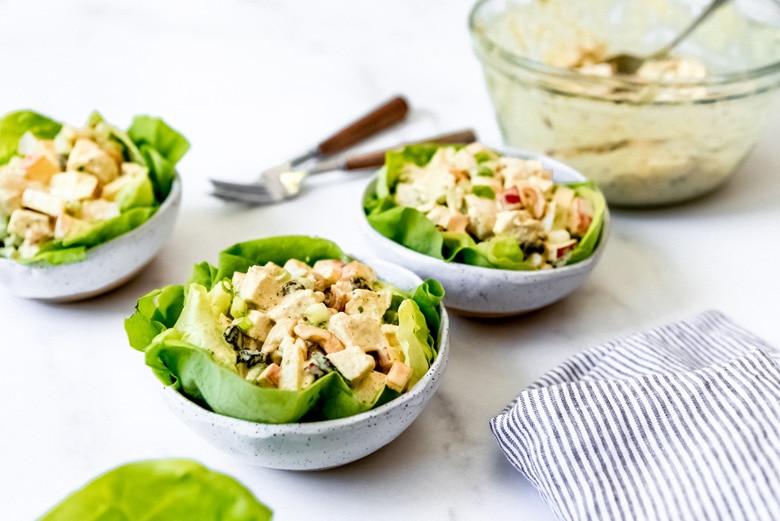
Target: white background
[250,83]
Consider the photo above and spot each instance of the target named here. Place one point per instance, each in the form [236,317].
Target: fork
[292,179]
[271,186]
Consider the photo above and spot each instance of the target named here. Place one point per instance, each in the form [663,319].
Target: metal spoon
[629,64]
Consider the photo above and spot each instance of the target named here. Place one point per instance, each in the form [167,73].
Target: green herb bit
[484,171]
[482,156]
[484,191]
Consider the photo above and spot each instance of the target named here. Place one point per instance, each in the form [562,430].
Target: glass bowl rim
[561,73]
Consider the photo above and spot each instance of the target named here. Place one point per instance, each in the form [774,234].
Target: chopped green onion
[483,156]
[484,191]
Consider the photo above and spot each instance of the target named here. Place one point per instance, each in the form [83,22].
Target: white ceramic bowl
[323,444]
[486,292]
[105,267]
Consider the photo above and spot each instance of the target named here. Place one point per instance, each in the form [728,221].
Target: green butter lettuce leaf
[161,147]
[161,490]
[277,250]
[176,329]
[592,237]
[148,141]
[198,325]
[13,126]
[409,227]
[154,132]
[412,229]
[415,339]
[154,313]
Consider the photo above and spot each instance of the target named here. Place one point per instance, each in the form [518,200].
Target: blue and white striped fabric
[680,422]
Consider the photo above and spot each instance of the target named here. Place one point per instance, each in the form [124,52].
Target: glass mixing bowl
[645,142]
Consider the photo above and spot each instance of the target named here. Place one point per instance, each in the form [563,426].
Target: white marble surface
[250,83]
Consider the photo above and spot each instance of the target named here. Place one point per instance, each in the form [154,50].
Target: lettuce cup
[82,209]
[505,232]
[290,352]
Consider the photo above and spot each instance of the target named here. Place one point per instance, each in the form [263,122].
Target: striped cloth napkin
[676,423]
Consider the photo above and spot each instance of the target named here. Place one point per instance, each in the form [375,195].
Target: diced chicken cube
[43,202]
[516,171]
[87,156]
[391,335]
[352,363]
[294,305]
[369,387]
[39,167]
[67,226]
[424,188]
[261,285]
[66,138]
[301,272]
[398,376]
[454,197]
[73,185]
[448,219]
[563,196]
[358,273]
[129,173]
[329,270]
[519,224]
[338,295]
[98,210]
[482,215]
[34,227]
[359,331]
[392,351]
[261,324]
[462,159]
[370,303]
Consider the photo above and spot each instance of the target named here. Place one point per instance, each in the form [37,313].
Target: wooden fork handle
[377,159]
[381,118]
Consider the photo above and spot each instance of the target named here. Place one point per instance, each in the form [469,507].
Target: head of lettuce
[66,189]
[197,337]
[161,490]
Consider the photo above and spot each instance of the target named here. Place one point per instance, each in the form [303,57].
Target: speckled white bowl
[492,293]
[106,266]
[323,444]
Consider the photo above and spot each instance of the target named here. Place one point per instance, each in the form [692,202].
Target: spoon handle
[379,119]
[706,12]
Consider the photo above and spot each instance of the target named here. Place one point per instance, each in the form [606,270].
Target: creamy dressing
[661,136]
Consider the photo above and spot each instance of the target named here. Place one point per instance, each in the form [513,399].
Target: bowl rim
[171,200]
[247,427]
[537,275]
[718,80]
